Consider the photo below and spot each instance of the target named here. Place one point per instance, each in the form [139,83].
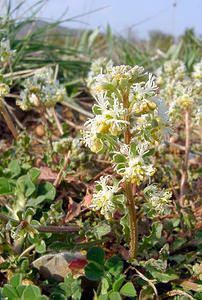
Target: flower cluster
[6,54]
[197,71]
[41,90]
[157,200]
[181,90]
[79,155]
[63,145]
[104,197]
[197,270]
[4,88]
[146,112]
[118,80]
[109,119]
[98,66]
[131,163]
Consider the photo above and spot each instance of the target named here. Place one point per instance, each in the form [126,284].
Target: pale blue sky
[171,16]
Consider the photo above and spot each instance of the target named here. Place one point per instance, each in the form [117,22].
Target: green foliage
[70,288]
[109,273]
[16,290]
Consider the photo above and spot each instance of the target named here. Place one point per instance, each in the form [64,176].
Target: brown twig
[60,174]
[57,121]
[49,228]
[8,119]
[184,176]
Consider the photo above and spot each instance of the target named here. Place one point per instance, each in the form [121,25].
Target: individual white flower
[103,197]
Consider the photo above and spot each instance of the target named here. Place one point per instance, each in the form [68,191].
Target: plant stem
[8,119]
[62,170]
[57,121]
[130,202]
[184,176]
[42,228]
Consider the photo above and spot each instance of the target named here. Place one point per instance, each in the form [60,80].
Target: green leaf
[105,286]
[164,276]
[133,148]
[119,158]
[128,290]
[16,280]
[125,225]
[94,271]
[114,265]
[120,166]
[96,110]
[46,191]
[14,168]
[31,292]
[40,247]
[149,152]
[151,240]
[10,292]
[118,283]
[20,289]
[101,229]
[114,296]
[25,186]
[34,174]
[96,254]
[178,243]
[5,186]
[102,297]
[58,296]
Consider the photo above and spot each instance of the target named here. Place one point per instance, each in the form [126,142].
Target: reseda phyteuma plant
[129,122]
[183,94]
[42,92]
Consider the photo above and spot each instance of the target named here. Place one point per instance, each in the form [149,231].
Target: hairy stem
[184,176]
[130,201]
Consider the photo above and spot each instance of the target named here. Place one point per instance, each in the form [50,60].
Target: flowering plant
[183,94]
[41,90]
[129,123]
